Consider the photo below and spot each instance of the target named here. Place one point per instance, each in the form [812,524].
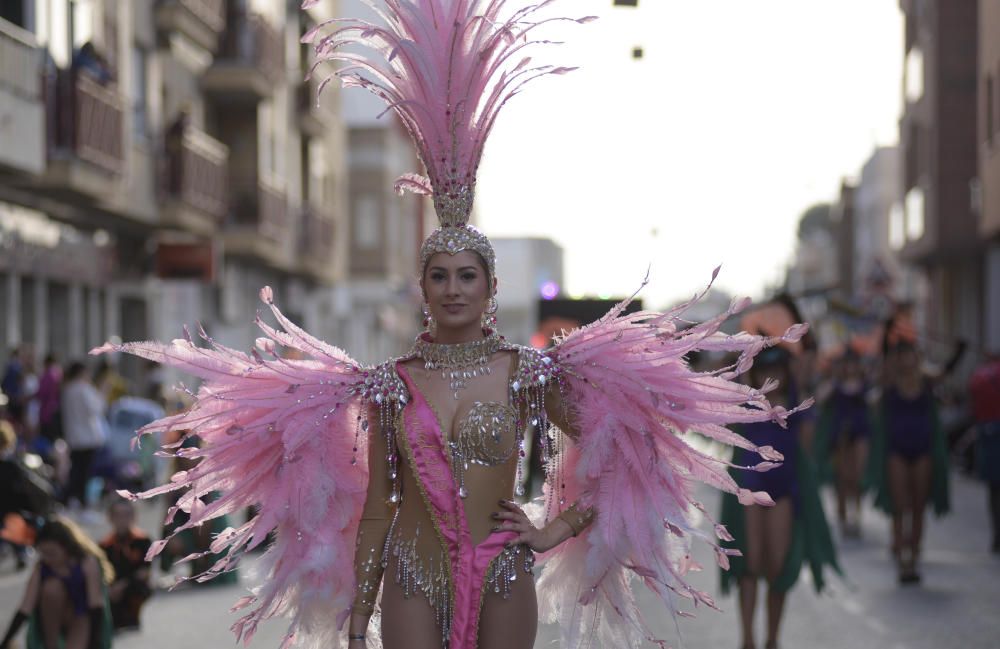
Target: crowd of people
[65,448]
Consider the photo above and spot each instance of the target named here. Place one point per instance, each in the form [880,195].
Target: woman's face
[907,362]
[457,289]
[53,555]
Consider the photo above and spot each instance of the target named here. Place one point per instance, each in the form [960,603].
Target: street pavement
[956,607]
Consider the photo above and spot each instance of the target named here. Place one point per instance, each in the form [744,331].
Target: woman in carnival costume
[843,435]
[909,460]
[390,487]
[773,542]
[65,601]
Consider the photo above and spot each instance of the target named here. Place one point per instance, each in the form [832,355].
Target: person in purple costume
[842,440]
[909,464]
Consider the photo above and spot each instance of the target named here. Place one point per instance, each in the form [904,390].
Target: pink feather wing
[631,393]
[277,434]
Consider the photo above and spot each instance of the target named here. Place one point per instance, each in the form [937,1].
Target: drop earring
[428,318]
[490,314]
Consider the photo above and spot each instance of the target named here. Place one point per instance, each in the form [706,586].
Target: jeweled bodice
[487,435]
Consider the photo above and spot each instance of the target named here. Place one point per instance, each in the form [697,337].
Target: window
[913,75]
[914,208]
[990,99]
[137,90]
[897,227]
[366,225]
[996,102]
[18,12]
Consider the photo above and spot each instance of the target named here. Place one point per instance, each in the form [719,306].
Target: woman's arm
[95,600]
[28,603]
[375,521]
[573,520]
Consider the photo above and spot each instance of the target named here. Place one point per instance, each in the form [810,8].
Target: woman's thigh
[407,623]
[510,623]
[899,483]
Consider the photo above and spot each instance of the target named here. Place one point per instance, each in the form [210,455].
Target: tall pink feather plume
[634,397]
[278,434]
[446,67]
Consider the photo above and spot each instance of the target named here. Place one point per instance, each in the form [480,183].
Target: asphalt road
[956,607]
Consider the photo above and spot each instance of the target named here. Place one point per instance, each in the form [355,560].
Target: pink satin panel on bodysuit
[469,562]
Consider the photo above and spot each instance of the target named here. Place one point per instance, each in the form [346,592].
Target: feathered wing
[633,397]
[281,435]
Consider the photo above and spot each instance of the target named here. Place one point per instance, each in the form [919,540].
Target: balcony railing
[88,120]
[317,234]
[261,208]
[20,62]
[211,12]
[202,21]
[198,171]
[250,40]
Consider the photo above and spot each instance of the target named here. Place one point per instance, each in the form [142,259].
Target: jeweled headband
[453,239]
[446,68]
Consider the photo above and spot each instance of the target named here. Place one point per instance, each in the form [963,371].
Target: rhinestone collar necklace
[458,362]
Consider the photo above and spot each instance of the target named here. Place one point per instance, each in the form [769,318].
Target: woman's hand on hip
[513,519]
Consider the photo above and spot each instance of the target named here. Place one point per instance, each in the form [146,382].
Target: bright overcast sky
[741,115]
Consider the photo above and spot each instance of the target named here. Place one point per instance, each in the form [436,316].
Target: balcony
[258,226]
[22,110]
[201,21]
[312,117]
[250,61]
[316,243]
[197,175]
[85,135]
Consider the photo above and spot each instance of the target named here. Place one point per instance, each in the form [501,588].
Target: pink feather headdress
[447,68]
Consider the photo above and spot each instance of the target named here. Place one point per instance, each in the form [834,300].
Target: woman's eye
[437,277]
[468,277]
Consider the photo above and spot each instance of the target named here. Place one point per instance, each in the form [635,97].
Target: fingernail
[503,502]
[496,528]
[494,515]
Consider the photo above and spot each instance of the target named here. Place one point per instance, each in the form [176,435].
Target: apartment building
[939,151]
[989,163]
[160,161]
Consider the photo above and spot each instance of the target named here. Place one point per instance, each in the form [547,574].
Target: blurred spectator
[64,601]
[126,547]
[12,385]
[909,459]
[49,386]
[984,388]
[155,383]
[29,388]
[192,541]
[87,60]
[109,382]
[84,427]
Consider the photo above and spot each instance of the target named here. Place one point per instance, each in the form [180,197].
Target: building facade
[938,142]
[989,164]
[160,161]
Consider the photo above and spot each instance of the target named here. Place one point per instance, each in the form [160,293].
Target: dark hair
[776,356]
[67,535]
[75,370]
[121,502]
[8,437]
[103,367]
[50,359]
